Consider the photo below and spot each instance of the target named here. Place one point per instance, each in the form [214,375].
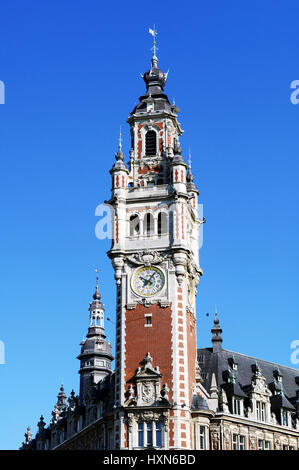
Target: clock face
[148,281]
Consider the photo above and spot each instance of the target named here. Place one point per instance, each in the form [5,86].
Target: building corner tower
[155,256]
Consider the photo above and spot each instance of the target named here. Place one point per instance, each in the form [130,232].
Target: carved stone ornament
[252,442]
[215,440]
[227,439]
[147,258]
[55,414]
[148,392]
[147,381]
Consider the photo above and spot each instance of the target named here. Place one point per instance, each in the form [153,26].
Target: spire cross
[154,33]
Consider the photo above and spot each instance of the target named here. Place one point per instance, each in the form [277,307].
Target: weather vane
[154,33]
[189,158]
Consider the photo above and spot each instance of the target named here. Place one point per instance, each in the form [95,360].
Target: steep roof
[219,362]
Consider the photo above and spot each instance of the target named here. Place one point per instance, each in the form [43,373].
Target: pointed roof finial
[97,294]
[61,402]
[154,33]
[119,155]
[190,177]
[216,330]
[120,141]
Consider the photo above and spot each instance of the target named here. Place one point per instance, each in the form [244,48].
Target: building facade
[164,393]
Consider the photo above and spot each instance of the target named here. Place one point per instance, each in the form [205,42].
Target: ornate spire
[97,295]
[96,310]
[95,356]
[28,435]
[189,176]
[61,399]
[216,339]
[154,78]
[119,155]
[41,424]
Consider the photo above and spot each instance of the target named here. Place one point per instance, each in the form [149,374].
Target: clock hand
[150,278]
[144,280]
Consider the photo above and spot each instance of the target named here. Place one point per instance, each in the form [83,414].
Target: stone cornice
[263,426]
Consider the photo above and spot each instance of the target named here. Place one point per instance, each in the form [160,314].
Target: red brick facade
[156,339]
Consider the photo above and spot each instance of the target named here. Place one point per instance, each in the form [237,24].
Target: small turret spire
[119,155]
[189,176]
[216,338]
[97,295]
[95,356]
[61,399]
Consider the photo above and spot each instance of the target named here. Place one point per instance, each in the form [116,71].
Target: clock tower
[154,253]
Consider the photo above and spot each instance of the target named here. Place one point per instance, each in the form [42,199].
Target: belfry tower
[155,257]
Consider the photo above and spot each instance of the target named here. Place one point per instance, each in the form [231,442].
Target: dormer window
[237,405]
[260,411]
[150,143]
[233,363]
[277,374]
[284,417]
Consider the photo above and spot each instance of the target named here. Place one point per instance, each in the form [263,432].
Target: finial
[147,358]
[119,155]
[154,33]
[216,330]
[177,148]
[97,294]
[28,435]
[216,320]
[120,142]
[189,177]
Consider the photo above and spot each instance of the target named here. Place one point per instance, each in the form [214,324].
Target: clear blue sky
[71,70]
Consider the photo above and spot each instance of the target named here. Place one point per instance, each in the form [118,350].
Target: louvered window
[150,143]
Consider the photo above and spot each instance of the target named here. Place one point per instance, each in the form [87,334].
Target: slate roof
[211,362]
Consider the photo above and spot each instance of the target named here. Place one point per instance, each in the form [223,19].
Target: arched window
[150,143]
[162,223]
[148,224]
[134,225]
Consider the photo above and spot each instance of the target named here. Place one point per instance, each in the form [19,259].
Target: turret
[119,172]
[217,338]
[95,357]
